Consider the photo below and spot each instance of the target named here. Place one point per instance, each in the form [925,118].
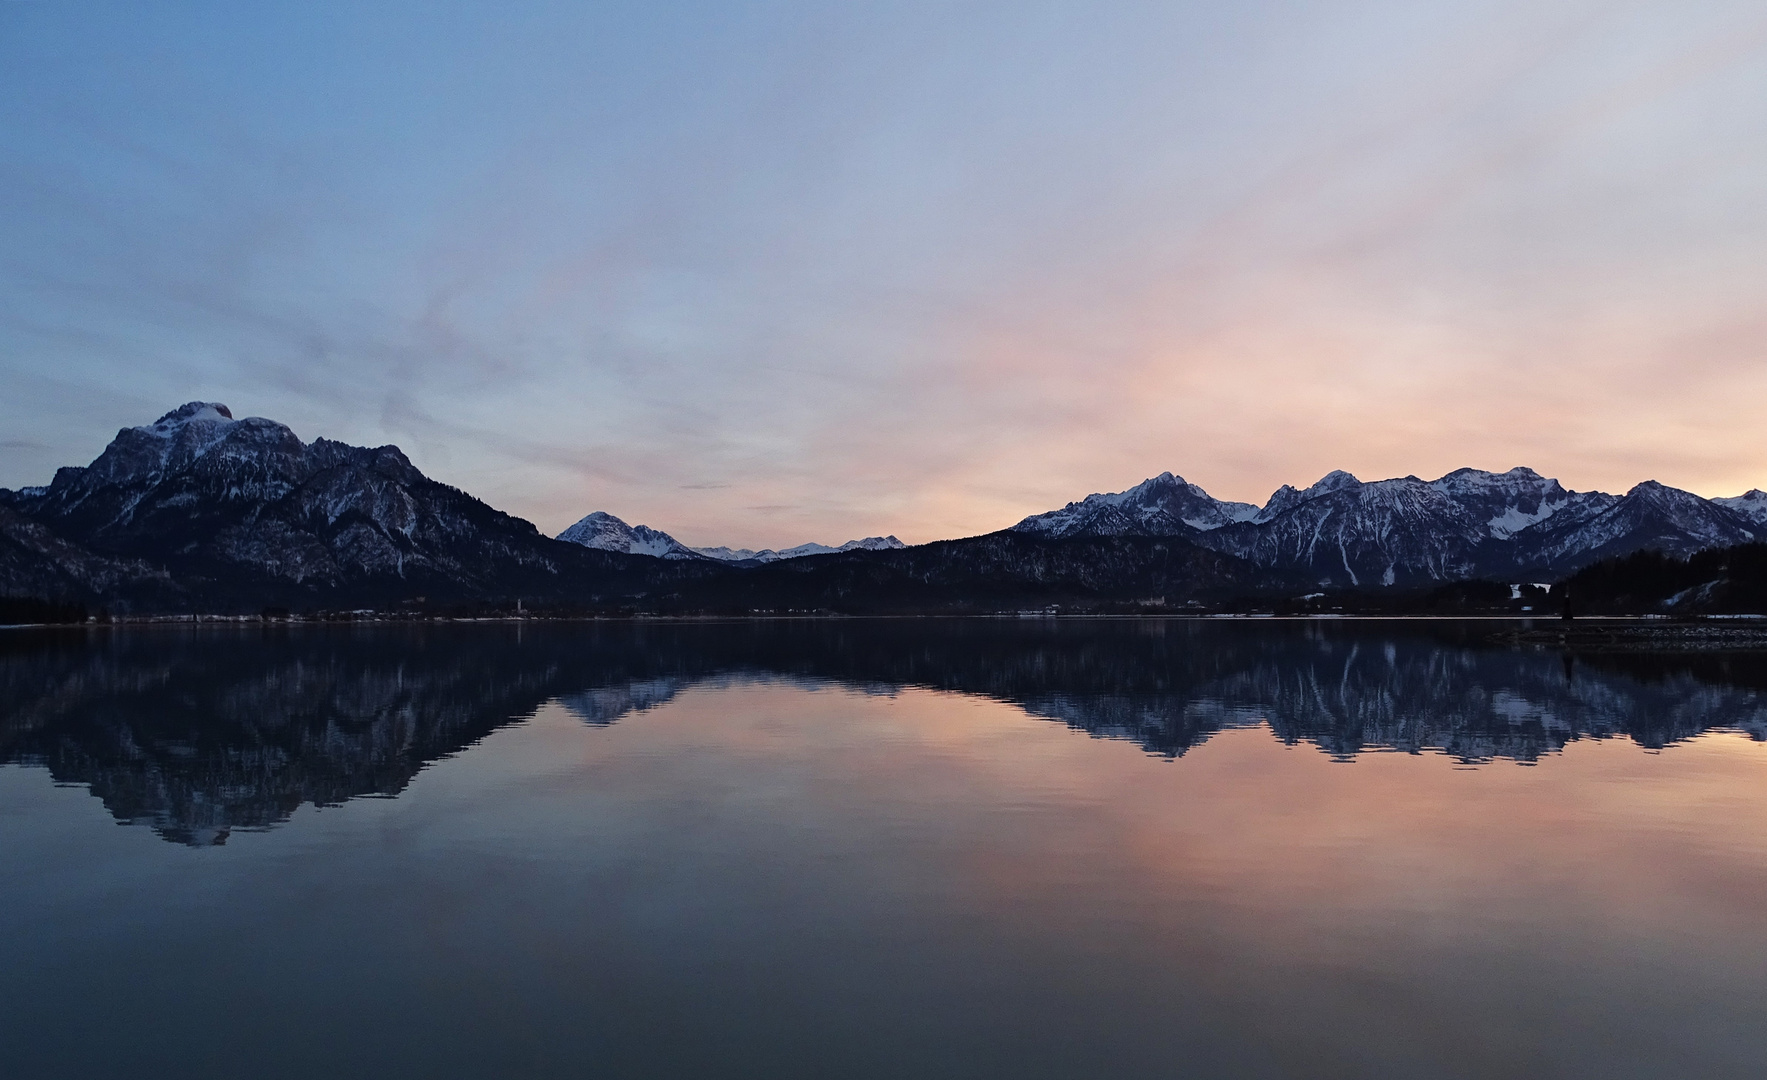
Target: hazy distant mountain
[609,533]
[1342,532]
[768,555]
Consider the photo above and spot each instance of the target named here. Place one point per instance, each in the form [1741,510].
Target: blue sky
[766,273]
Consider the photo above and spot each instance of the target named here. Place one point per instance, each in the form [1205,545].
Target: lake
[878,848]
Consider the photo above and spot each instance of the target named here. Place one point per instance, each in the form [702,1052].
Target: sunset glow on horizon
[788,272]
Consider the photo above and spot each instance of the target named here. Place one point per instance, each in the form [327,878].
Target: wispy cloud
[752,276]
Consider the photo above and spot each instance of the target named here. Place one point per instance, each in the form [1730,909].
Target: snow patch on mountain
[1509,502]
[204,414]
[1513,520]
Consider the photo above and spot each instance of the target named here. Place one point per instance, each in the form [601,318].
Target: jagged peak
[1151,484]
[1164,481]
[188,413]
[1663,494]
[385,450]
[175,440]
[1172,479]
[1657,489]
[599,523]
[1520,472]
[1335,480]
[1280,500]
[603,530]
[598,517]
[193,429]
[1751,504]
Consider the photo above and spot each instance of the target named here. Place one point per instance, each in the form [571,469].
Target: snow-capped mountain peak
[606,532]
[245,459]
[1284,498]
[873,543]
[191,430]
[194,412]
[1335,480]
[1651,515]
[1751,505]
[1287,497]
[1470,522]
[1163,505]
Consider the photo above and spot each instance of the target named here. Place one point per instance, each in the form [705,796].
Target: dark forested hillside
[1001,571]
[1729,580]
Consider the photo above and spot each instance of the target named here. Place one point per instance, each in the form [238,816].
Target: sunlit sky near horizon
[766,273]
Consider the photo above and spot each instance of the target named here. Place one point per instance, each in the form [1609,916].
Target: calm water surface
[878,849]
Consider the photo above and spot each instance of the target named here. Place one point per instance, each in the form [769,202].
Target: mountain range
[200,511]
[605,532]
[1344,533]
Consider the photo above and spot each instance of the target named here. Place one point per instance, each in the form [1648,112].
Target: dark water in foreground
[878,849]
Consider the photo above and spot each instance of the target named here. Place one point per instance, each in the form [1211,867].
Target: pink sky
[812,273]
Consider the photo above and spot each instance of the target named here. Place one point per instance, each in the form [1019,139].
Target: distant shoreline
[1584,630]
[1632,635]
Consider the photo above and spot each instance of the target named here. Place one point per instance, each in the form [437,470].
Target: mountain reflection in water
[199,732]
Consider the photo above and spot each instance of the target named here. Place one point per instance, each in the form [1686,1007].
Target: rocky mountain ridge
[200,508]
[1345,533]
[1751,504]
[200,511]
